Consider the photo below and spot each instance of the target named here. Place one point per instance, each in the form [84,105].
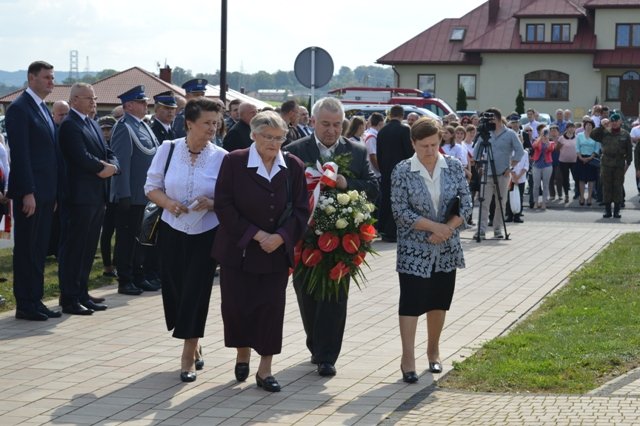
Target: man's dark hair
[194,108]
[376,118]
[234,102]
[37,66]
[288,106]
[495,111]
[396,111]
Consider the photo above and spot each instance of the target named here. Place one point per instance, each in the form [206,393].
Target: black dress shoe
[199,359]
[96,299]
[242,371]
[156,283]
[325,369]
[435,367]
[110,274]
[409,376]
[270,384]
[518,220]
[617,215]
[313,360]
[89,304]
[129,289]
[48,312]
[31,315]
[146,286]
[188,376]
[76,309]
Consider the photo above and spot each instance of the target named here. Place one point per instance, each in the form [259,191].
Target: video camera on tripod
[485,126]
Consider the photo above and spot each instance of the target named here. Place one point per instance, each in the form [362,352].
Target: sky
[262,35]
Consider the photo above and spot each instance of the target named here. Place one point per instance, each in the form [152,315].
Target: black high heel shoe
[270,384]
[242,371]
[409,376]
[199,359]
[435,367]
[188,376]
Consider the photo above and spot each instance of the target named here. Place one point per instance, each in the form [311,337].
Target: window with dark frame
[535,33]
[427,83]
[468,81]
[628,35]
[546,85]
[560,33]
[613,88]
[457,34]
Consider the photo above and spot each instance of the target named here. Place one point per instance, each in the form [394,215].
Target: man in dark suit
[33,181]
[89,163]
[394,145]
[239,135]
[165,113]
[324,321]
[134,145]
[193,88]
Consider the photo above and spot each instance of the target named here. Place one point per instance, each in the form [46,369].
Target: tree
[179,76]
[520,102]
[461,102]
[105,73]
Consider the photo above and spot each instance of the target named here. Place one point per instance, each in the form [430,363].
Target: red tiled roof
[617,58]
[108,89]
[559,8]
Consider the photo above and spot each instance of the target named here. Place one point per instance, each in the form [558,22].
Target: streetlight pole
[223,52]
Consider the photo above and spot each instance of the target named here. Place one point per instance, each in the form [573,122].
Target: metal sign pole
[313,76]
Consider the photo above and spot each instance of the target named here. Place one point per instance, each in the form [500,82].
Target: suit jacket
[161,133]
[246,203]
[363,178]
[34,152]
[83,148]
[239,137]
[134,145]
[393,146]
[178,125]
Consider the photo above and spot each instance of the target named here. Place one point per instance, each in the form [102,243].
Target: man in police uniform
[134,144]
[616,158]
[165,113]
[194,89]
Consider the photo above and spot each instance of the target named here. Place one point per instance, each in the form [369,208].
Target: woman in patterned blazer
[424,196]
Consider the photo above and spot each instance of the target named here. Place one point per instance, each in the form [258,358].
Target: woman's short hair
[269,119]
[586,120]
[193,109]
[425,127]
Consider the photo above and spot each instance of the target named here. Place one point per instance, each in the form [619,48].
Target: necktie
[47,117]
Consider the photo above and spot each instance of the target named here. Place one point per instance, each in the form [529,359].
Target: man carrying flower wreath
[324,320]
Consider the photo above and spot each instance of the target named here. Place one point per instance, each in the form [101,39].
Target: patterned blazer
[410,200]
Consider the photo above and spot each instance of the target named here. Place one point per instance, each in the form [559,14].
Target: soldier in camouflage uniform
[616,158]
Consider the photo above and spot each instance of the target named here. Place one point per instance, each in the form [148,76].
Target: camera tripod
[484,156]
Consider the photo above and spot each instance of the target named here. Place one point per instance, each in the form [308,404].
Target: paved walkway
[121,366]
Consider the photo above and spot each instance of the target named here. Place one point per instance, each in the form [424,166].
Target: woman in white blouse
[188,226]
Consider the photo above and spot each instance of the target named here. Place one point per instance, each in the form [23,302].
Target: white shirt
[256,161]
[635,134]
[523,164]
[4,164]
[185,181]
[370,139]
[327,152]
[432,182]
[456,151]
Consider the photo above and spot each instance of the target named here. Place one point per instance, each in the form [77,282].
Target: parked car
[542,118]
[365,110]
[469,113]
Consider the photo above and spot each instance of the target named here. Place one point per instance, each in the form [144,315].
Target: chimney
[165,74]
[242,90]
[494,9]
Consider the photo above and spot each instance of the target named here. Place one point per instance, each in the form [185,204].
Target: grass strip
[581,336]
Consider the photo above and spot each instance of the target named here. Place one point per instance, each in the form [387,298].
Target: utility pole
[223,52]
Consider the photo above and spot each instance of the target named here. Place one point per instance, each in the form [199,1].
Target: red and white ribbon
[325,174]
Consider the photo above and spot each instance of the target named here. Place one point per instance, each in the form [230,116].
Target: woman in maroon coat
[261,201]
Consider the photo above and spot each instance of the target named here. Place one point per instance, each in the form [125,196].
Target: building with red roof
[560,53]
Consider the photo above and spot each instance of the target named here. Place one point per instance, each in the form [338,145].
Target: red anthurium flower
[351,243]
[339,271]
[359,258]
[297,253]
[328,242]
[367,232]
[311,257]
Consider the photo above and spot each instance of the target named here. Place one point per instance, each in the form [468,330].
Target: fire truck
[392,95]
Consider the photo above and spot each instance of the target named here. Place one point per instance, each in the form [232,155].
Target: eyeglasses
[271,138]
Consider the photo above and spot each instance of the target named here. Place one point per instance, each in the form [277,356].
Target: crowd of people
[231,185]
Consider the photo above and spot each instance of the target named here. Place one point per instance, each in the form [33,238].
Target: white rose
[341,224]
[329,209]
[371,207]
[359,217]
[353,195]
[343,199]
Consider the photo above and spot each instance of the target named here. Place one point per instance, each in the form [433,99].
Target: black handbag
[453,208]
[148,235]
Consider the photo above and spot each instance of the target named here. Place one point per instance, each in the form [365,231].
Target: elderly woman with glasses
[261,200]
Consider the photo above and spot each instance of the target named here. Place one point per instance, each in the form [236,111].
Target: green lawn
[582,336]
[51,290]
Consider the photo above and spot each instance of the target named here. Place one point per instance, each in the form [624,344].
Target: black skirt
[187,272]
[419,295]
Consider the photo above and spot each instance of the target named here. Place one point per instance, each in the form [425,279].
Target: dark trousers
[78,250]
[151,265]
[128,253]
[108,228]
[567,169]
[31,241]
[323,322]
